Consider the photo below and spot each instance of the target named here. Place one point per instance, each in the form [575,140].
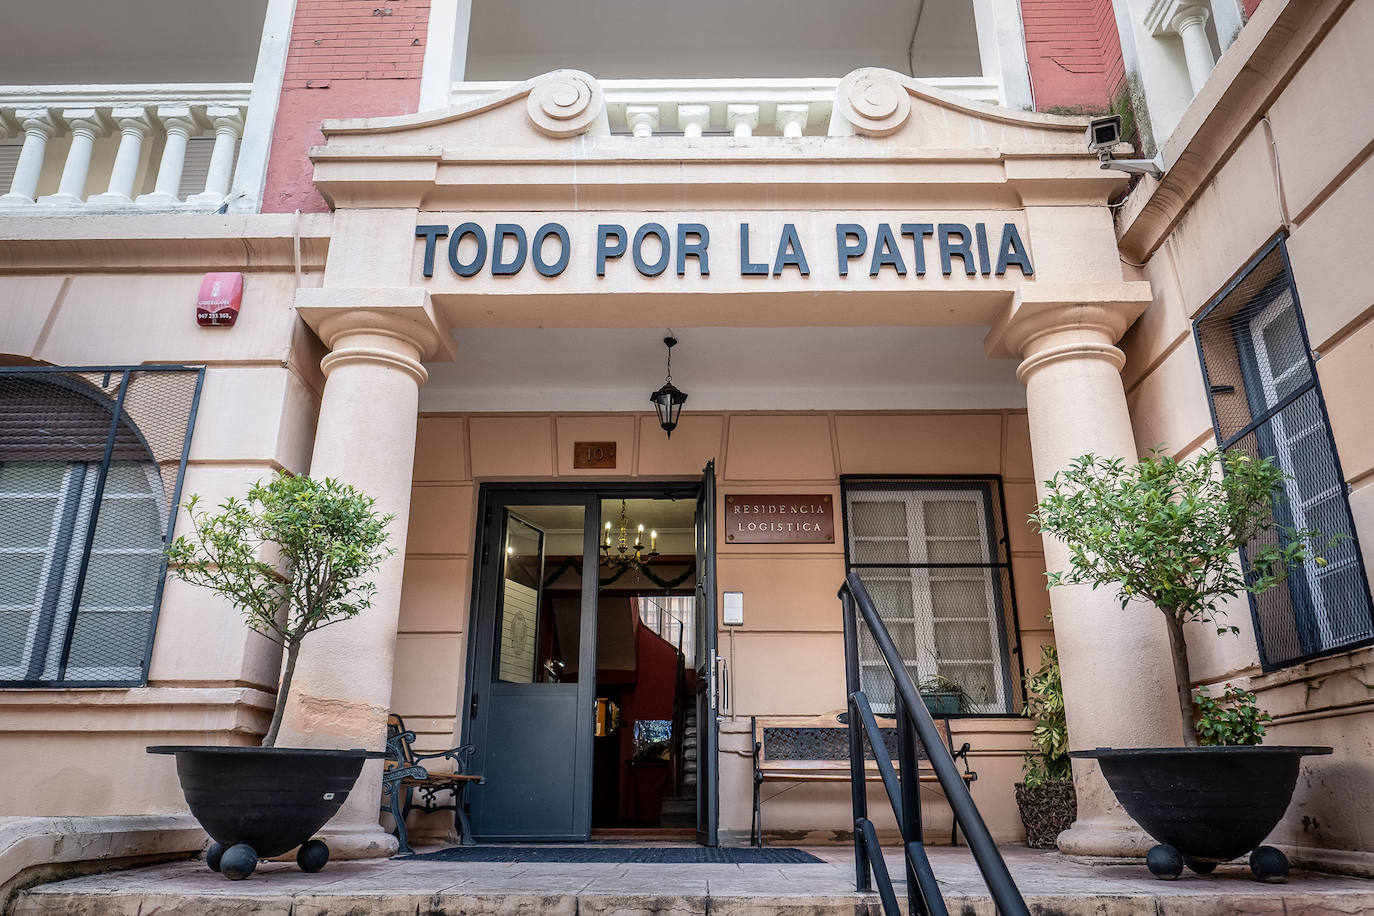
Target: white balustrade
[699,107]
[114,127]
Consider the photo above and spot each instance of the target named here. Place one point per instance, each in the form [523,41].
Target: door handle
[721,671]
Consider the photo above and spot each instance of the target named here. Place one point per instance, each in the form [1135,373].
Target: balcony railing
[744,108]
[132,147]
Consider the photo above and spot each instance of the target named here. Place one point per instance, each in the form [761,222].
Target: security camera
[1104,134]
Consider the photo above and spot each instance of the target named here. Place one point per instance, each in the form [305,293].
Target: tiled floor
[1051,885]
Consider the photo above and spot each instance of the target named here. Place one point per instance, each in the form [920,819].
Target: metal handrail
[923,893]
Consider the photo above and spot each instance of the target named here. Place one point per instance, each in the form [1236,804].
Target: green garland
[575,564]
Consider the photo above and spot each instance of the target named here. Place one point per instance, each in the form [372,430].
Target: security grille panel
[91,462]
[1266,402]
[932,553]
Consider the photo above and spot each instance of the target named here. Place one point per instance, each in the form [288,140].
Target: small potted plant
[1164,533]
[293,556]
[1046,798]
[943,696]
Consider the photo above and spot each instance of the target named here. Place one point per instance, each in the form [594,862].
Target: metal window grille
[932,552]
[91,466]
[1266,402]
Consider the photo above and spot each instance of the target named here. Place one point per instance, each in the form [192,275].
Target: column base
[109,199]
[163,201]
[1105,838]
[60,200]
[358,841]
[15,200]
[205,200]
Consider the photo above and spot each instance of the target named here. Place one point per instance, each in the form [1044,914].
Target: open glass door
[709,684]
[531,699]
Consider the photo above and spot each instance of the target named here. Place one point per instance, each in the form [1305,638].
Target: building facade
[903,293]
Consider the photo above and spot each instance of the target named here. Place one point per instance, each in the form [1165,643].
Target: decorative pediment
[532,143]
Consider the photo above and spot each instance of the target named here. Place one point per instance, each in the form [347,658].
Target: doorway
[591,694]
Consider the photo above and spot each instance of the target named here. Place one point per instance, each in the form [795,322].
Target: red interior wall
[1074,53]
[345,60]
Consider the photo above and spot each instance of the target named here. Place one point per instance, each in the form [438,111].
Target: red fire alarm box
[219,300]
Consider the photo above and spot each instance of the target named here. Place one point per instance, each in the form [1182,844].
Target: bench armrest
[460,755]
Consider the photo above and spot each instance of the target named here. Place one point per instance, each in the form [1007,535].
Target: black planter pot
[260,802]
[1205,804]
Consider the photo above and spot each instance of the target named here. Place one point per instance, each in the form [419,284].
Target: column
[791,119]
[86,125]
[693,119]
[135,124]
[228,124]
[642,120]
[40,125]
[341,695]
[742,119]
[1117,675]
[1191,24]
[180,123]
[1188,20]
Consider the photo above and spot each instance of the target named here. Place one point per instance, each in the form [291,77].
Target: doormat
[620,855]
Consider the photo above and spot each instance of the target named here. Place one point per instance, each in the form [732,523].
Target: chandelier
[619,552]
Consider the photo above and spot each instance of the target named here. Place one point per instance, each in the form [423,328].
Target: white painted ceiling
[596,369]
[129,41]
[657,39]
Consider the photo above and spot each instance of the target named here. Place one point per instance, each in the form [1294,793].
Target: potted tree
[293,556]
[1045,798]
[1164,533]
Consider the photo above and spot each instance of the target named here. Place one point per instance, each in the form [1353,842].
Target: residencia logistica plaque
[772,518]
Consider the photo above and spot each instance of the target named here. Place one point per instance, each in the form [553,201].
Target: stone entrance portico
[899,155]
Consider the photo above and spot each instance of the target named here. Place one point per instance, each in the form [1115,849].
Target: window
[932,553]
[1266,401]
[90,466]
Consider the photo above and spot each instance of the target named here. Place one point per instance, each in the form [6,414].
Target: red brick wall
[345,61]
[1074,53]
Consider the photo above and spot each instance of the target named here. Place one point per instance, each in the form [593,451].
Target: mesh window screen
[932,553]
[1266,402]
[91,462]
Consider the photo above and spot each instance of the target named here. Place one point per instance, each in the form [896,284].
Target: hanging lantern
[668,400]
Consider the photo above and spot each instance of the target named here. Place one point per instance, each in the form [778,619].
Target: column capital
[92,121]
[1047,322]
[136,118]
[394,326]
[9,127]
[181,118]
[1172,17]
[225,118]
[693,119]
[742,119]
[43,120]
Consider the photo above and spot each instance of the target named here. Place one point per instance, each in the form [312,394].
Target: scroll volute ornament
[875,101]
[564,103]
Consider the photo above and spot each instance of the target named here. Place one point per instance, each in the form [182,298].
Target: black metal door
[533,686]
[709,683]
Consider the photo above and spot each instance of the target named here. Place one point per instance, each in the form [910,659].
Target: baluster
[180,122]
[693,119]
[791,119]
[86,124]
[642,119]
[40,125]
[742,119]
[135,124]
[228,124]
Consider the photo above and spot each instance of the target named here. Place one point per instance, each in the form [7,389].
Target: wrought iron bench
[403,778]
[816,749]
